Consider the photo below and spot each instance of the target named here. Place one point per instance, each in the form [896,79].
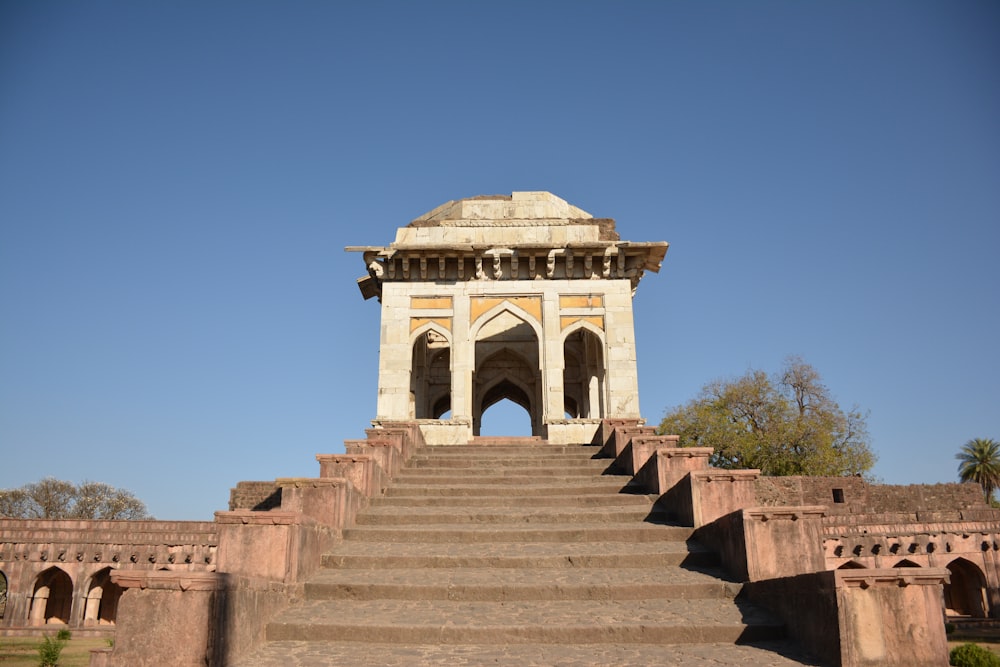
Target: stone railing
[262,562]
[852,618]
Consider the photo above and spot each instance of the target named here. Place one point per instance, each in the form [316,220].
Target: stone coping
[725,475]
[896,576]
[786,513]
[167,580]
[346,458]
[266,518]
[682,452]
[311,482]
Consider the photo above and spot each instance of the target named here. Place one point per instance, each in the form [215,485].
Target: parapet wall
[853,495]
[257,496]
[58,572]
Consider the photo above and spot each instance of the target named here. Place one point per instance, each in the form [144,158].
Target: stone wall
[58,572]
[853,495]
[257,496]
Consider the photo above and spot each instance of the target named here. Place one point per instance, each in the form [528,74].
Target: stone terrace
[519,555]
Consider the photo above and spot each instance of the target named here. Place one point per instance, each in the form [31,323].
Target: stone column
[463,359]
[551,361]
[395,356]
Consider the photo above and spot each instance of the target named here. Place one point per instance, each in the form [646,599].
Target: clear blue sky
[178,180]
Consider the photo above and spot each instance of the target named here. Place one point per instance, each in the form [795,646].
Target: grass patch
[23,651]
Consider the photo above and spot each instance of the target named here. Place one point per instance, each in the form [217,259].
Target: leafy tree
[786,424]
[979,462]
[52,498]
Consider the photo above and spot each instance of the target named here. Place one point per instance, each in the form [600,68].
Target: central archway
[505,418]
[507,367]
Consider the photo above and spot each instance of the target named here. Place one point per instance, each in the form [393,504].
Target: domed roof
[518,209]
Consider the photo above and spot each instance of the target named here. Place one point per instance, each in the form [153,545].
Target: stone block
[862,618]
[640,449]
[715,493]
[166,618]
[667,466]
[361,470]
[332,502]
[278,546]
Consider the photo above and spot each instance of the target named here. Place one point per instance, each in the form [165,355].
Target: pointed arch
[965,595]
[520,313]
[507,363]
[852,565]
[430,372]
[906,563]
[3,593]
[584,371]
[101,606]
[51,598]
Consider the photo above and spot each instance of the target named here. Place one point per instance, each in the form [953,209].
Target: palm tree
[980,462]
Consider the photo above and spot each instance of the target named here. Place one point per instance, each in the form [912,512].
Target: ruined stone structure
[427,543]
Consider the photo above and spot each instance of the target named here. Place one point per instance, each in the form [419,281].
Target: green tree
[786,424]
[53,498]
[979,462]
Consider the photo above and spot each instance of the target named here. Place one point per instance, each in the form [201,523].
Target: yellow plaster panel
[596,320]
[417,322]
[581,301]
[480,304]
[430,302]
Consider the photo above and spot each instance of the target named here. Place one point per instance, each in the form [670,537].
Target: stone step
[371,654]
[518,500]
[552,479]
[512,555]
[475,451]
[417,516]
[453,475]
[468,463]
[582,486]
[492,584]
[476,533]
[545,622]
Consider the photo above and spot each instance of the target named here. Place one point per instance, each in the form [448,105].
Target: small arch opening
[430,376]
[852,565]
[505,417]
[52,598]
[102,599]
[3,593]
[965,594]
[583,375]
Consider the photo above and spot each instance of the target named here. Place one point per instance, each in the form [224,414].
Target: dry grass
[23,651]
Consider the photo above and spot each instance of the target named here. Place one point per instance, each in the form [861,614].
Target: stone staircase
[526,554]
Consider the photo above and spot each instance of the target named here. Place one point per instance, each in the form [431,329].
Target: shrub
[972,655]
[64,635]
[49,650]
